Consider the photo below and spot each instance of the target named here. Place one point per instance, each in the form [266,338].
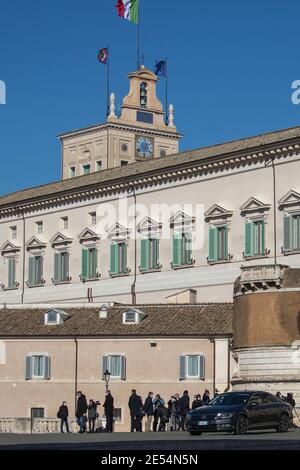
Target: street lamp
[106,377]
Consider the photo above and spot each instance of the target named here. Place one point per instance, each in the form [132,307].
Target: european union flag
[161,68]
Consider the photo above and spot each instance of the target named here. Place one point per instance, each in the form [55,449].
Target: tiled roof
[160,320]
[147,167]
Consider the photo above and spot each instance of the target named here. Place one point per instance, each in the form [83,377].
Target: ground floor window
[37,412]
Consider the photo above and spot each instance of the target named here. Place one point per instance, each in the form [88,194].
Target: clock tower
[138,133]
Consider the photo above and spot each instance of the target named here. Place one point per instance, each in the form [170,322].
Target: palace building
[141,253]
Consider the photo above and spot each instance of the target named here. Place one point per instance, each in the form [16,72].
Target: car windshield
[230,399]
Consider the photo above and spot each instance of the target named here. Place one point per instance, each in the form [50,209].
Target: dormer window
[143,95]
[133,316]
[55,317]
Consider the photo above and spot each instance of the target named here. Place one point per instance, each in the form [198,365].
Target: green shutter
[288,233]
[114,258]
[145,254]
[212,244]
[39,269]
[57,267]
[263,237]
[225,256]
[11,272]
[84,263]
[65,272]
[92,263]
[249,233]
[177,249]
[188,248]
[124,258]
[31,270]
[155,250]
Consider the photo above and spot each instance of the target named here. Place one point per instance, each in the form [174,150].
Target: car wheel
[284,423]
[241,425]
[195,433]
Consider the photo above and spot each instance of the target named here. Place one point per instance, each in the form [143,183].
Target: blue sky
[231,65]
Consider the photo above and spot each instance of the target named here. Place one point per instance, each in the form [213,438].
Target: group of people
[158,414]
[86,413]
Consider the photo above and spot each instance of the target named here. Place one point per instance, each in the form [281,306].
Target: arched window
[143,95]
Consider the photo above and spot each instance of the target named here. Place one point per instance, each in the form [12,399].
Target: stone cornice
[118,126]
[190,167]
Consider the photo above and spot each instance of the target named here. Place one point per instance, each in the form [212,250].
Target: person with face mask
[109,410]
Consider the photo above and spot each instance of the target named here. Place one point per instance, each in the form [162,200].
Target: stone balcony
[261,277]
[39,425]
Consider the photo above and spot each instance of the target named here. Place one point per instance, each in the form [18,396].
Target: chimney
[103,311]
[188,296]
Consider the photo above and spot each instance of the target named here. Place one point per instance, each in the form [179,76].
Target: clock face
[144,147]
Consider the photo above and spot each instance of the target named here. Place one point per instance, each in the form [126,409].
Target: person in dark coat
[149,411]
[92,415]
[81,410]
[109,410]
[173,407]
[197,402]
[135,406]
[63,414]
[184,408]
[164,416]
[206,397]
[157,402]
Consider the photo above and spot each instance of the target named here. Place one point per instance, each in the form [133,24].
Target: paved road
[267,440]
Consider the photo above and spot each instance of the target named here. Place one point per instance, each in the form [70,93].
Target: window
[130,316]
[93,216]
[86,169]
[118,258]
[291,233]
[11,278]
[72,171]
[149,254]
[89,263]
[39,227]
[61,267]
[99,165]
[182,249]
[218,244]
[192,367]
[13,232]
[37,367]
[65,223]
[55,317]
[37,412]
[254,238]
[52,318]
[35,274]
[143,95]
[124,162]
[116,365]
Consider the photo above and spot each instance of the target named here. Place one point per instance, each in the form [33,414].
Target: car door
[256,414]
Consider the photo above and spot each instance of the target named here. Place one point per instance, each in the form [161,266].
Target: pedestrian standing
[206,397]
[92,415]
[197,402]
[157,402]
[149,411]
[184,408]
[81,409]
[63,414]
[135,406]
[109,410]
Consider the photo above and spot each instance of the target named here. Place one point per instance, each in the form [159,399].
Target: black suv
[239,412]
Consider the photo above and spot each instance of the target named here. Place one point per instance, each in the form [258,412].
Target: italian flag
[129,10]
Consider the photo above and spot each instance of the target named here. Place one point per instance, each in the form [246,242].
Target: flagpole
[107,81]
[167,97]
[138,37]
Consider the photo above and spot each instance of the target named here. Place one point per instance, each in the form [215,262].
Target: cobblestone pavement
[267,440]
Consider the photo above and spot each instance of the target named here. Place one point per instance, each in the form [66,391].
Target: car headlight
[224,415]
[188,416]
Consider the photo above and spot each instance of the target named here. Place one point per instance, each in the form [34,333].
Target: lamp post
[106,377]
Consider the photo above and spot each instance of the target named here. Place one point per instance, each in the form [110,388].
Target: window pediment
[148,225]
[292,198]
[217,212]
[253,205]
[88,235]
[118,231]
[9,247]
[181,219]
[60,239]
[35,243]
